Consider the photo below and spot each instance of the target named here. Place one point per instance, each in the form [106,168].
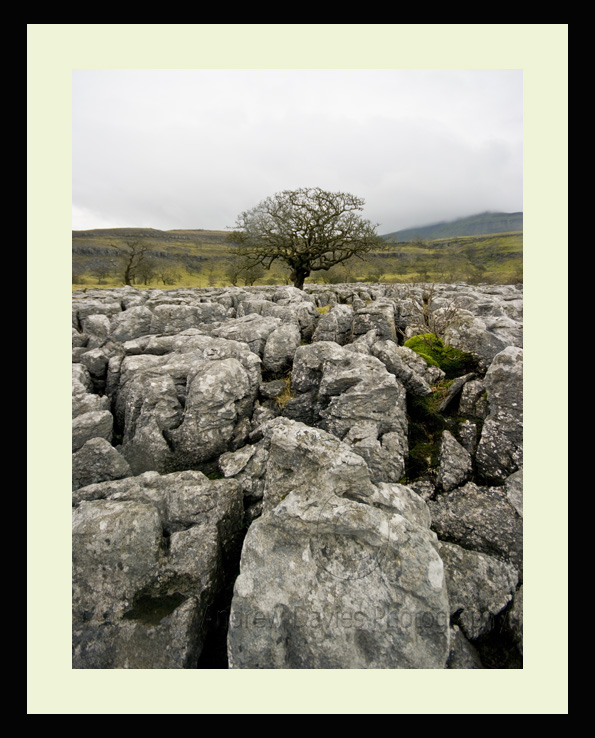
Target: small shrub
[287,393]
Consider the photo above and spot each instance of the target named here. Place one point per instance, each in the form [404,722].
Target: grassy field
[205,258]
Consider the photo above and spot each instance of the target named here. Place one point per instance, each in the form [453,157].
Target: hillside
[201,258]
[181,251]
[474,225]
[196,236]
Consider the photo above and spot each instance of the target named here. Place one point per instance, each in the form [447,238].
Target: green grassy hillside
[200,258]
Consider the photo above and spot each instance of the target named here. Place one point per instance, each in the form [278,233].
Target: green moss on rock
[452,361]
[425,424]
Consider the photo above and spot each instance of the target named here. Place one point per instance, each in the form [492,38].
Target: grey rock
[481,519]
[116,552]
[479,587]
[273,389]
[514,491]
[308,363]
[218,396]
[96,361]
[182,410]
[500,449]
[97,461]
[379,316]
[514,618]
[202,347]
[252,329]
[140,600]
[303,408]
[131,323]
[356,390]
[87,306]
[248,466]
[385,455]
[315,458]
[463,654]
[81,379]
[474,400]
[79,338]
[260,416]
[287,311]
[280,348]
[454,463]
[472,334]
[354,397]
[97,330]
[147,406]
[88,402]
[398,361]
[172,319]
[77,352]
[342,566]
[94,424]
[468,432]
[233,462]
[454,389]
[424,488]
[335,326]
[179,412]
[329,580]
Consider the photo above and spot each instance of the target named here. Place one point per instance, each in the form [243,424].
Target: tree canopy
[309,229]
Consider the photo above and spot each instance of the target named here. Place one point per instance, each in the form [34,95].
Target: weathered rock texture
[149,557]
[336,573]
[267,478]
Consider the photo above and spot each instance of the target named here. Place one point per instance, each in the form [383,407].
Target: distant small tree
[233,271]
[132,254]
[308,229]
[420,242]
[375,272]
[251,274]
[211,276]
[168,273]
[335,275]
[146,270]
[78,278]
[101,271]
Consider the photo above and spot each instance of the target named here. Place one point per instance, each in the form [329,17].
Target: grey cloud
[193,148]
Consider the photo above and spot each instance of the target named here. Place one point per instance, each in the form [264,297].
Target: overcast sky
[192,148]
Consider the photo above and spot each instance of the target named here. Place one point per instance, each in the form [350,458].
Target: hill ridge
[473,225]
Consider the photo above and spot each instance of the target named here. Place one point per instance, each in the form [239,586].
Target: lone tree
[309,229]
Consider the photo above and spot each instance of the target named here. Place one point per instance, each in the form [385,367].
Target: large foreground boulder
[337,573]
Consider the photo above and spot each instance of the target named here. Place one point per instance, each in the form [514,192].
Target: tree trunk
[298,275]
[128,274]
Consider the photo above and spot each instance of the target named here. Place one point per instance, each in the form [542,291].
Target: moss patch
[452,361]
[425,424]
